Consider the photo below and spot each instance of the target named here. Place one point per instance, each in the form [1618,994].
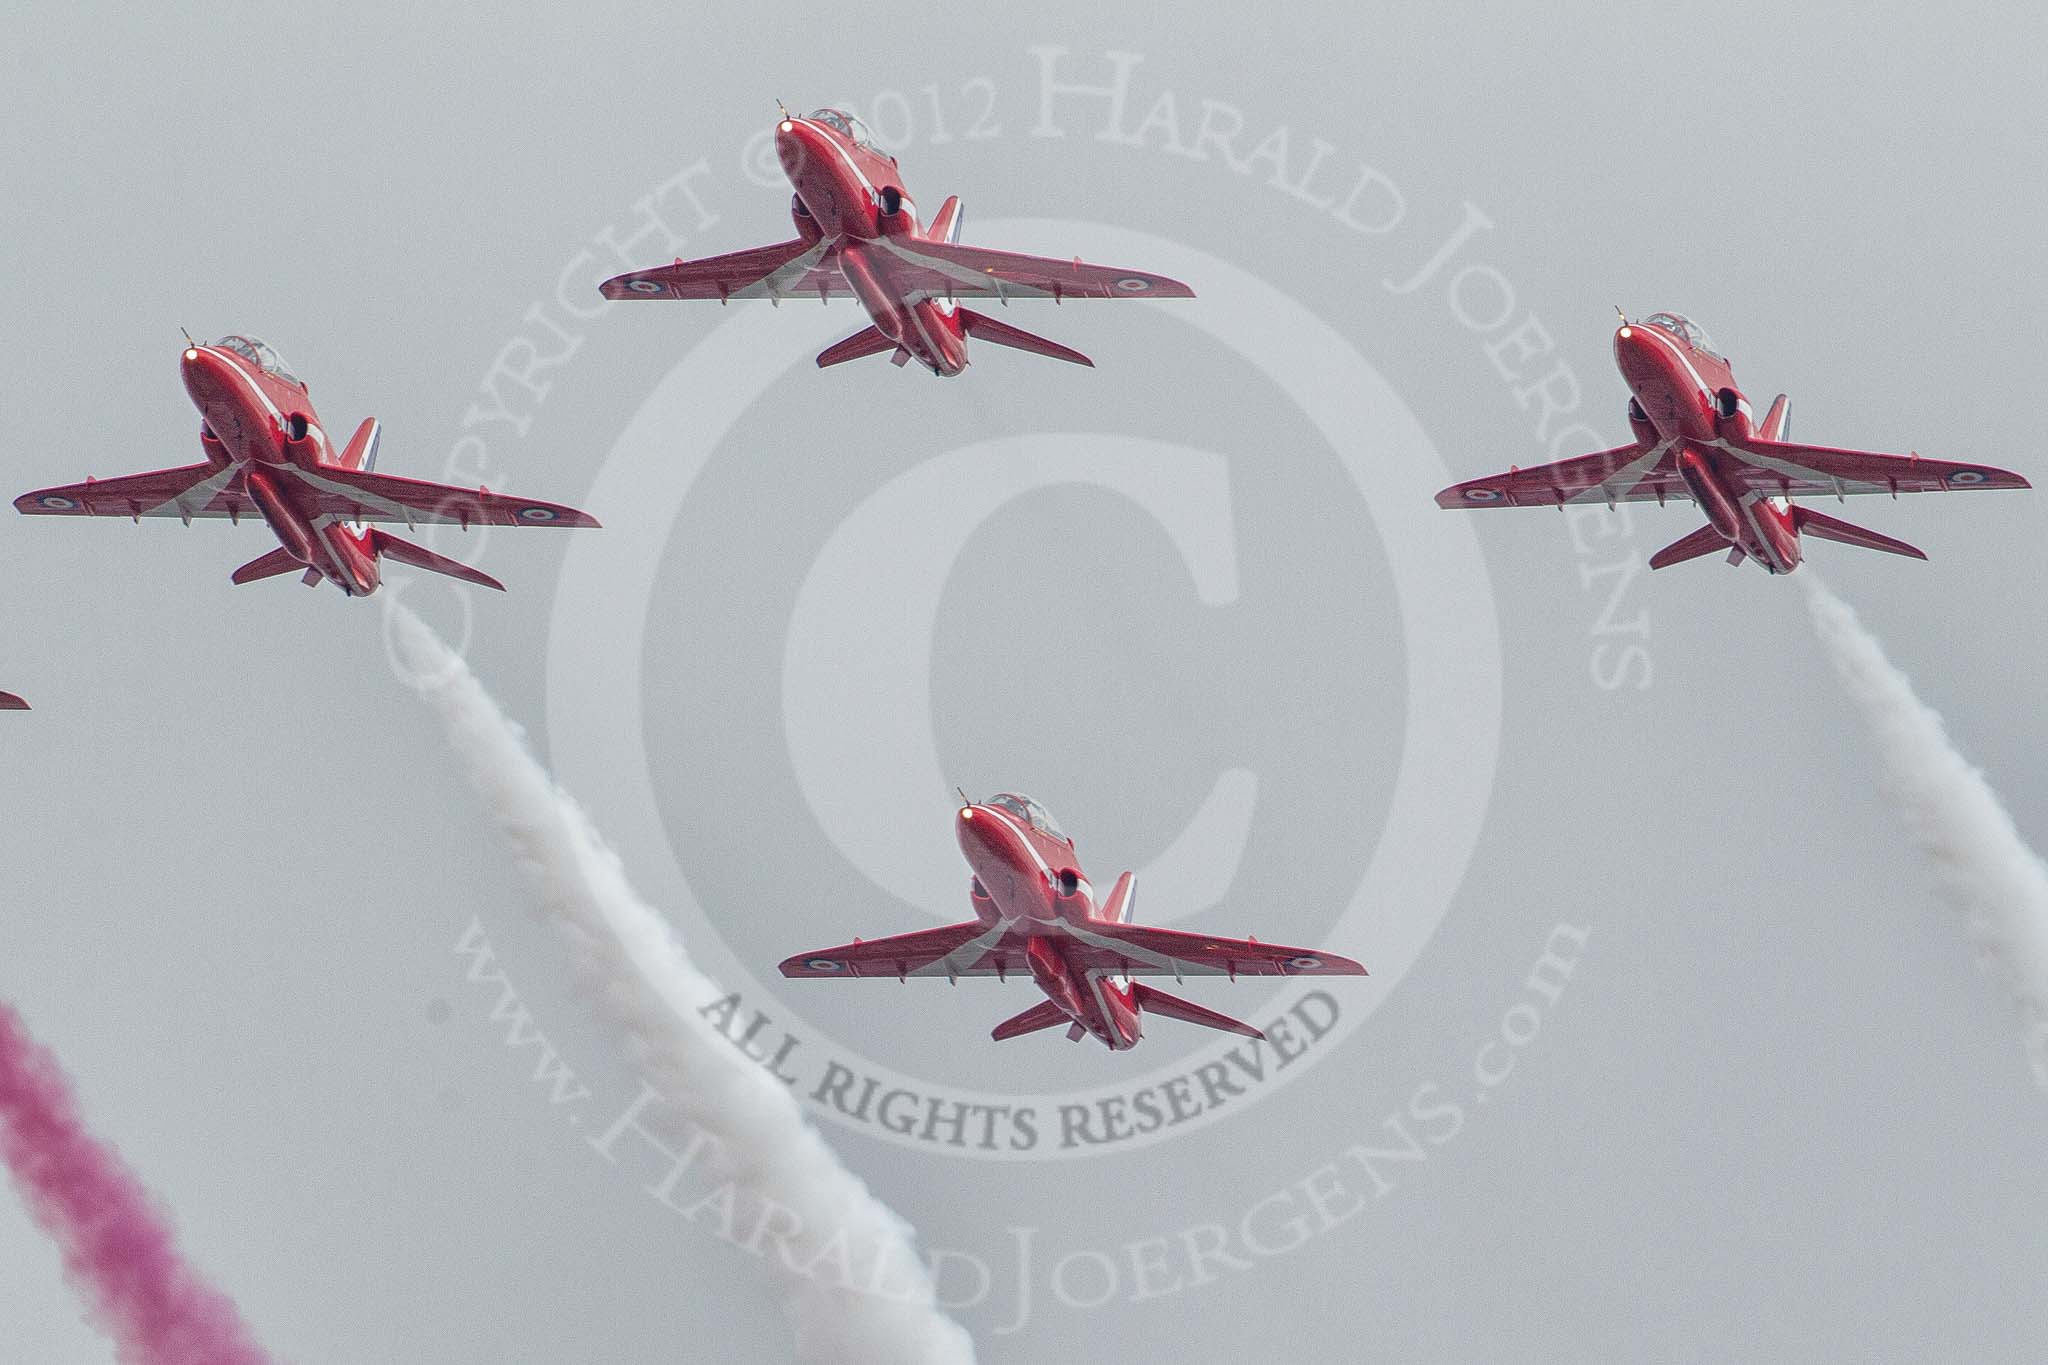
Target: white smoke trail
[831,1238]
[1982,867]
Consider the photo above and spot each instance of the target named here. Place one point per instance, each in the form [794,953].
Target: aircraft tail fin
[1812,523]
[1704,541]
[10,702]
[278,561]
[867,341]
[1777,425]
[361,452]
[1042,1015]
[982,327]
[1153,1001]
[387,546]
[946,223]
[1122,901]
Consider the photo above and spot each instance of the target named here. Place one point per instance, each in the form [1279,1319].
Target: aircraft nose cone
[992,847]
[980,834]
[207,374]
[797,145]
[1641,357]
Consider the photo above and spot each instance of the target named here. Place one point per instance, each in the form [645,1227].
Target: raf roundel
[537,513]
[822,964]
[1304,963]
[643,286]
[1966,476]
[56,502]
[1131,284]
[1482,495]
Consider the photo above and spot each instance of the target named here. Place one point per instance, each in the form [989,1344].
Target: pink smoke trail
[117,1245]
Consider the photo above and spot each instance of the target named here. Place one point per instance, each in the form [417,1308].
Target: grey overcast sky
[1196,600]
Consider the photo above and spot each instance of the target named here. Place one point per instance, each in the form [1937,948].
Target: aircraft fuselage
[846,191]
[1688,398]
[1025,879]
[263,428]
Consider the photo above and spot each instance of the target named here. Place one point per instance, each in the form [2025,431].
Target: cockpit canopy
[1679,325]
[845,123]
[1024,808]
[260,354]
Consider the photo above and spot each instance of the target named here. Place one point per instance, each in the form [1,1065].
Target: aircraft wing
[950,270]
[969,949]
[793,268]
[361,495]
[1783,468]
[10,702]
[1630,473]
[193,490]
[1141,950]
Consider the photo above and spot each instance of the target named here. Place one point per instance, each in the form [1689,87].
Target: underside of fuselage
[851,196]
[1688,400]
[263,432]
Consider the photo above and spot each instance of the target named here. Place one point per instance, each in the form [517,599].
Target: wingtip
[10,702]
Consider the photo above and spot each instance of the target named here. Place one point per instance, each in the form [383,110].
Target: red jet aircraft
[1695,438]
[858,236]
[1035,912]
[266,450]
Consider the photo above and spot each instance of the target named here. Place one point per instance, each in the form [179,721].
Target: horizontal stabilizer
[387,546]
[10,702]
[984,328]
[1704,541]
[1045,1014]
[278,561]
[865,342]
[1173,1007]
[1818,524]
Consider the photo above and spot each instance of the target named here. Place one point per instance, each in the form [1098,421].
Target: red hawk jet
[1696,439]
[267,452]
[1035,912]
[859,236]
